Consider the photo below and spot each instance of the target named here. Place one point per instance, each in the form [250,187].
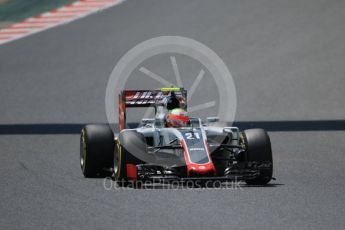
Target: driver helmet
[177,118]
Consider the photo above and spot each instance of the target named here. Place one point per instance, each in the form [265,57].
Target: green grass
[18,10]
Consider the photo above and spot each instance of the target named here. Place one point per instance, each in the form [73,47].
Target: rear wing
[145,98]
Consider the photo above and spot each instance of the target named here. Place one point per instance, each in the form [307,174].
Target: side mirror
[147,121]
[212,119]
[233,132]
[227,130]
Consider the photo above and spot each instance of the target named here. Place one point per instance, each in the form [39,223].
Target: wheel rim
[82,149]
[115,165]
[116,162]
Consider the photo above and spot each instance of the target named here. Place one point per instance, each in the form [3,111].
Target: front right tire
[96,150]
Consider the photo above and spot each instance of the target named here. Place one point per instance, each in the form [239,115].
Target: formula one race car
[172,146]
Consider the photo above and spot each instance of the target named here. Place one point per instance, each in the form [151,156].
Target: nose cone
[201,170]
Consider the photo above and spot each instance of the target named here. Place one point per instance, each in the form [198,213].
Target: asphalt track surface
[287,60]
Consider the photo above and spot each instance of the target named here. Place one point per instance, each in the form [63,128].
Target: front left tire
[131,146]
[259,150]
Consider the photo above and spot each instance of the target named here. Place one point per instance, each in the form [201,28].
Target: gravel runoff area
[12,11]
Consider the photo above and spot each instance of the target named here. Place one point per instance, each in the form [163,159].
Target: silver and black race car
[159,152]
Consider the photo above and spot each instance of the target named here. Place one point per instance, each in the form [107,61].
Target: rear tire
[131,145]
[258,149]
[96,150]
